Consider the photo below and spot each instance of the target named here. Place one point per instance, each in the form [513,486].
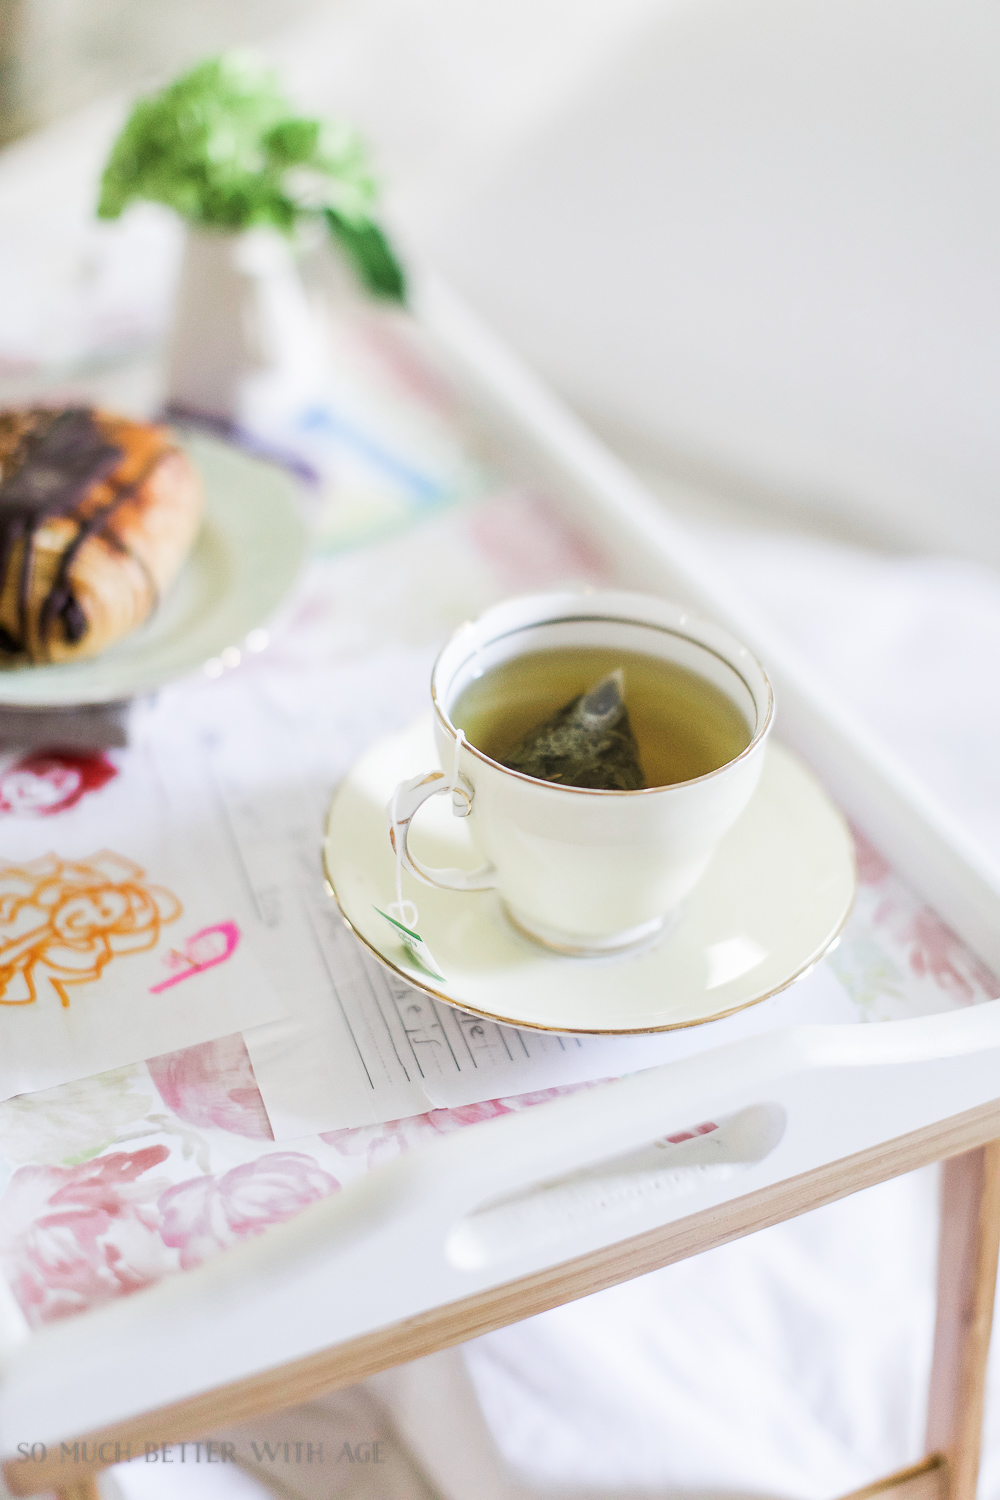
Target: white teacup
[586,871]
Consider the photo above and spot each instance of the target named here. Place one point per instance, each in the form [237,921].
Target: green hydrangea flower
[223,148]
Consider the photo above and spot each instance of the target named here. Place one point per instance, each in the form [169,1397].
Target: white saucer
[771,903]
[243,563]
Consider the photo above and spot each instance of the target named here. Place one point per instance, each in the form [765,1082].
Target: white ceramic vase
[246,347]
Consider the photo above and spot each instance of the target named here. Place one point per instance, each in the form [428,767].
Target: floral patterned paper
[896,957]
[189,1171]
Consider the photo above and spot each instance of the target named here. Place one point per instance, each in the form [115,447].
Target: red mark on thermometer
[210,946]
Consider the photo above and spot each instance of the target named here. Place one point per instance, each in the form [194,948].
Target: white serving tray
[408,1257]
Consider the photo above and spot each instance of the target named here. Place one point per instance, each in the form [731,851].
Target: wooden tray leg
[81,1489]
[967,1272]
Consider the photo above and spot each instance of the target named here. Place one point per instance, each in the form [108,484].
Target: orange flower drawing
[65,920]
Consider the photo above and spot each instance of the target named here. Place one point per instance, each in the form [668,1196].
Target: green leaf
[371,254]
[293,142]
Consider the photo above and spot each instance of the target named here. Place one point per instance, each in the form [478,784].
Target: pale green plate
[243,563]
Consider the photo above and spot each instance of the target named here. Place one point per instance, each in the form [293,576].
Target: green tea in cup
[601,718]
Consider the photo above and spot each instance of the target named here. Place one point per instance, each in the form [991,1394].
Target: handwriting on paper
[64,921]
[211,946]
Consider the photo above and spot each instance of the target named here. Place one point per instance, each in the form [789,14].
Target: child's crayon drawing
[52,781]
[211,946]
[65,920]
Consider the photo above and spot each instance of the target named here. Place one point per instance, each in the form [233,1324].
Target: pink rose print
[873,867]
[919,939]
[379,1143]
[74,1237]
[205,1215]
[50,781]
[213,1084]
[528,544]
[935,952]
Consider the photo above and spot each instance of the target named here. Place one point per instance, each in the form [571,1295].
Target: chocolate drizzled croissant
[96,515]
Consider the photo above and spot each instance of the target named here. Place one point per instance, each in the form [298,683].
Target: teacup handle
[406,799]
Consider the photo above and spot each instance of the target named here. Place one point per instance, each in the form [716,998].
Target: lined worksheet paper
[357,1045]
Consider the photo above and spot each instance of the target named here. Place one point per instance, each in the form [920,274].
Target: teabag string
[588,743]
[401,909]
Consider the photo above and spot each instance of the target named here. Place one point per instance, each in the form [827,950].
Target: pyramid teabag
[588,743]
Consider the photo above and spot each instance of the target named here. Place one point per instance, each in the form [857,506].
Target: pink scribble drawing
[211,946]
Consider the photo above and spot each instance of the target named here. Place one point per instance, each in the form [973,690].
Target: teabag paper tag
[413,943]
[588,743]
